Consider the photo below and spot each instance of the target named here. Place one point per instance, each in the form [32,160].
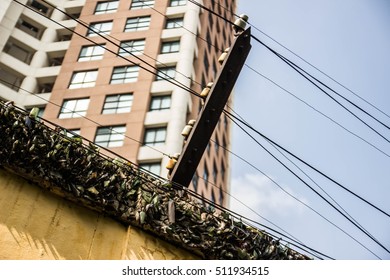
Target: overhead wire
[164,76]
[295,198]
[291,64]
[301,170]
[307,62]
[179,187]
[316,192]
[318,111]
[85,117]
[196,195]
[307,164]
[245,123]
[99,34]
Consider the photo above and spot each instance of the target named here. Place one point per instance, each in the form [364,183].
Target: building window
[45,87]
[116,104]
[74,108]
[165,73]
[101,28]
[194,181]
[30,28]
[170,47]
[110,136]
[94,52]
[154,167]
[106,7]
[134,47]
[215,172]
[40,7]
[161,102]
[19,51]
[137,24]
[124,74]
[154,136]
[141,4]
[10,79]
[174,23]
[174,3]
[83,79]
[221,196]
[205,174]
[206,63]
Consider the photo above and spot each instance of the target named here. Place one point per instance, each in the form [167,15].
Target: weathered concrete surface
[35,224]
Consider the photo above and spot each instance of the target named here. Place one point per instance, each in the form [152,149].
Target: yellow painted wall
[35,224]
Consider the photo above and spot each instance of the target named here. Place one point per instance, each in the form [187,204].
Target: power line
[154,175]
[245,123]
[313,66]
[319,70]
[297,199]
[291,64]
[316,192]
[89,119]
[172,81]
[301,71]
[318,111]
[309,165]
[300,169]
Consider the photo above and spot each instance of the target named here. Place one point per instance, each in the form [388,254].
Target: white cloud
[263,196]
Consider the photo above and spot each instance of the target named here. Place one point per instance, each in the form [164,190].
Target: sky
[350,41]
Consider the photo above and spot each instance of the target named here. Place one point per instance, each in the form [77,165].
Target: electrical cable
[316,192]
[172,81]
[291,65]
[309,165]
[89,119]
[121,157]
[130,61]
[301,170]
[297,199]
[316,68]
[298,70]
[318,111]
[319,70]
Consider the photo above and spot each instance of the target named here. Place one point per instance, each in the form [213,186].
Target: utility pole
[214,103]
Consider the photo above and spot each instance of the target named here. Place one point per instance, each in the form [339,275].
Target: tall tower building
[120,76]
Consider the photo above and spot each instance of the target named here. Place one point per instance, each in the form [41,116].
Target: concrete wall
[35,224]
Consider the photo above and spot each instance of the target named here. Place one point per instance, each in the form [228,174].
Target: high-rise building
[120,76]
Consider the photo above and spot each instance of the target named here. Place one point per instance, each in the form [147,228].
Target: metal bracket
[210,114]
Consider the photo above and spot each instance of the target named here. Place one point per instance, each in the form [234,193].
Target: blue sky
[350,41]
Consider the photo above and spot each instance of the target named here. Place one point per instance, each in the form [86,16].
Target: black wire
[172,81]
[309,165]
[196,195]
[300,201]
[317,80]
[318,111]
[300,169]
[319,70]
[95,43]
[299,71]
[89,119]
[235,214]
[316,192]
